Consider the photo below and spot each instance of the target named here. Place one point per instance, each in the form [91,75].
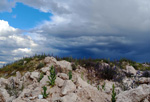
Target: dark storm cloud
[91,28]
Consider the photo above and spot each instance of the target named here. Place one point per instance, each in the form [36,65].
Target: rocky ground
[28,87]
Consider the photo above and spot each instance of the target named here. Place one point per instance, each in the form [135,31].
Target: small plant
[45,95]
[103,86]
[52,77]
[98,87]
[41,76]
[88,81]
[113,99]
[70,75]
[82,74]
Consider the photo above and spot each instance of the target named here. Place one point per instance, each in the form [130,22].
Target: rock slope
[28,87]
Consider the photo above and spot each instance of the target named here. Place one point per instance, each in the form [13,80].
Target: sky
[79,28]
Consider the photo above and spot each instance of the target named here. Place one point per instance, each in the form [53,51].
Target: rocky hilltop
[63,81]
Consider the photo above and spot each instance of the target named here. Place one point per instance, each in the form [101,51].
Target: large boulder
[91,94]
[65,64]
[34,75]
[130,70]
[49,60]
[59,82]
[44,81]
[134,95]
[68,86]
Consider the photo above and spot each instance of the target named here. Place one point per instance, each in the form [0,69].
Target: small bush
[146,74]
[108,72]
[70,75]
[45,95]
[52,77]
[74,67]
[40,66]
[113,96]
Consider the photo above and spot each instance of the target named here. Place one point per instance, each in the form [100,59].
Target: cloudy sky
[79,28]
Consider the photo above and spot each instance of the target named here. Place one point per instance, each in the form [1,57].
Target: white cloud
[13,44]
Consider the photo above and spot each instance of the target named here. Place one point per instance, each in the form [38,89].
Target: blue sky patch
[24,17]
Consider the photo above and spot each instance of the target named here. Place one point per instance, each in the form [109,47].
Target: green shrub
[146,74]
[74,67]
[45,95]
[52,77]
[41,76]
[40,66]
[113,96]
[70,75]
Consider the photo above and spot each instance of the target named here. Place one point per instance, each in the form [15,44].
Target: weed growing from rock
[52,76]
[41,77]
[113,96]
[70,75]
[45,95]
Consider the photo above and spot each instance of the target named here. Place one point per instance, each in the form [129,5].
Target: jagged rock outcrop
[134,95]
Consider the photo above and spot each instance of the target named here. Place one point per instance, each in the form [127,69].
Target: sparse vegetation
[70,75]
[40,65]
[82,74]
[45,95]
[146,74]
[113,96]
[52,77]
[41,76]
[103,86]
[98,88]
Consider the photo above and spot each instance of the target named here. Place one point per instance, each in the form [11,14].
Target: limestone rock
[45,69]
[80,83]
[63,76]
[108,87]
[4,95]
[3,82]
[48,60]
[41,100]
[68,86]
[44,80]
[72,97]
[34,75]
[65,64]
[130,70]
[134,95]
[59,82]
[91,94]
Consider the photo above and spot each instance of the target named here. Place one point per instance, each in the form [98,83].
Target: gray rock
[68,86]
